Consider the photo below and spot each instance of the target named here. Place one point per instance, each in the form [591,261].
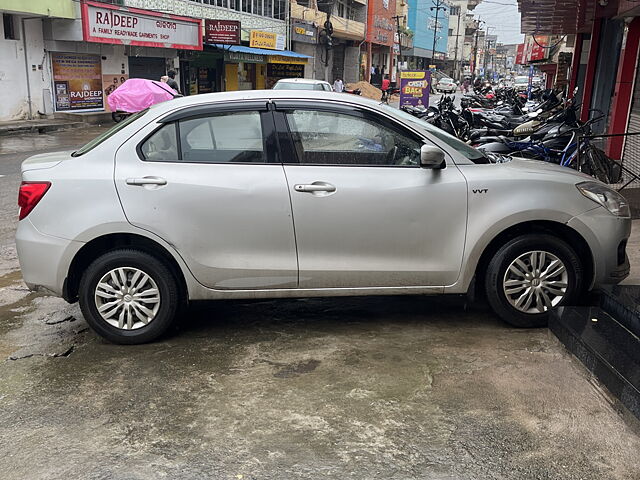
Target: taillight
[29,196]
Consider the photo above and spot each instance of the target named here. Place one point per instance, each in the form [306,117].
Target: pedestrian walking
[338,86]
[172,82]
[385,89]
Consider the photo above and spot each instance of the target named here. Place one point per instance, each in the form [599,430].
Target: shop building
[24,68]
[343,58]
[91,55]
[422,20]
[381,35]
[604,63]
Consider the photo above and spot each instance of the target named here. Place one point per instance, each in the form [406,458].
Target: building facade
[423,22]
[25,75]
[73,54]
[457,59]
[340,58]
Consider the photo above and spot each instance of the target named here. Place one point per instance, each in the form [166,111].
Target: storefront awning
[543,17]
[258,51]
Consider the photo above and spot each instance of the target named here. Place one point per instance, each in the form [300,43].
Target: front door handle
[315,187]
[146,181]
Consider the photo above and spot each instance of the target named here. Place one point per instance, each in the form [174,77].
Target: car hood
[45,160]
[539,167]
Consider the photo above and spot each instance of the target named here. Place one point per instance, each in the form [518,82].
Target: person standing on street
[385,89]
[338,86]
[172,82]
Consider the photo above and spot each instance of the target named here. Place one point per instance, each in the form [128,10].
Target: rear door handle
[146,181]
[314,187]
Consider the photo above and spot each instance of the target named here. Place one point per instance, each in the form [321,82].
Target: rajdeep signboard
[414,88]
[105,23]
[268,40]
[225,32]
[77,81]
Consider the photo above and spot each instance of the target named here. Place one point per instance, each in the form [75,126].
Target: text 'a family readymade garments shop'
[128,43]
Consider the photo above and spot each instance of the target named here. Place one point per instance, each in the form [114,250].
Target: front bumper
[607,237]
[44,259]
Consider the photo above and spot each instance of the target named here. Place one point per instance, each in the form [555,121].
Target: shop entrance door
[151,68]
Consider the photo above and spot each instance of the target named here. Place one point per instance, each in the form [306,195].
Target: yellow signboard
[268,40]
[412,75]
[289,60]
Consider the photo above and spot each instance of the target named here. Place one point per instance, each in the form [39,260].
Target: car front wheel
[530,276]
[128,297]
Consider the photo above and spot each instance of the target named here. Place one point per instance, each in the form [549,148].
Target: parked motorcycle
[137,94]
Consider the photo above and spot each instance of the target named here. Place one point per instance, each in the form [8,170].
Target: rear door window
[226,137]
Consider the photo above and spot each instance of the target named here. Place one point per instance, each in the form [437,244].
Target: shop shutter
[631,155]
[151,68]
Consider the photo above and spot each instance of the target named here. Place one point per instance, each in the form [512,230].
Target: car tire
[135,313]
[531,275]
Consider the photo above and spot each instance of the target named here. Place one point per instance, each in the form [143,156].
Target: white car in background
[302,84]
[446,85]
[521,83]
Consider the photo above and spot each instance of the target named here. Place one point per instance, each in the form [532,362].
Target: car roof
[300,80]
[257,95]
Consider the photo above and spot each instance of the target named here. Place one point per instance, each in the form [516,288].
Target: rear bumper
[607,237]
[44,259]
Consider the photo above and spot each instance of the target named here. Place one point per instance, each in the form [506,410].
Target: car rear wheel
[530,276]
[129,297]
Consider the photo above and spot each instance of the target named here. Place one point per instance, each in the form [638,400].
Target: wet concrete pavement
[380,388]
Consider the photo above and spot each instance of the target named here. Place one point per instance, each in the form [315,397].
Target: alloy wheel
[127,298]
[535,282]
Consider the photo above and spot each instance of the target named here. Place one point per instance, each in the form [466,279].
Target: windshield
[469,152]
[522,80]
[297,86]
[112,131]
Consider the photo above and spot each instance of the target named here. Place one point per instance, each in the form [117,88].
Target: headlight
[608,198]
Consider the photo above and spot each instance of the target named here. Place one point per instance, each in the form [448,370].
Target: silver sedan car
[271,194]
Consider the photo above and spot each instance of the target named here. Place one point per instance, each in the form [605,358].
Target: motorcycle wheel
[119,116]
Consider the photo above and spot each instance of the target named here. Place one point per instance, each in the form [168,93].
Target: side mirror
[431,157]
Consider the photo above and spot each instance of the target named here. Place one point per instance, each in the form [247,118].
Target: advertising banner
[268,40]
[303,31]
[110,83]
[77,81]
[381,25]
[283,70]
[225,32]
[414,88]
[105,23]
[538,50]
[520,54]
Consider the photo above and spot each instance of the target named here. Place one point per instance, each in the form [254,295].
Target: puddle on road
[64,139]
[10,278]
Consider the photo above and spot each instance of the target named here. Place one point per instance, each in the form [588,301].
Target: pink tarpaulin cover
[137,94]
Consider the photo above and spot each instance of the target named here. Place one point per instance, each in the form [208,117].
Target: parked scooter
[137,94]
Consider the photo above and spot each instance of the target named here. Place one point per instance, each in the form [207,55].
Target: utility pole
[475,50]
[487,46]
[456,70]
[397,19]
[437,6]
